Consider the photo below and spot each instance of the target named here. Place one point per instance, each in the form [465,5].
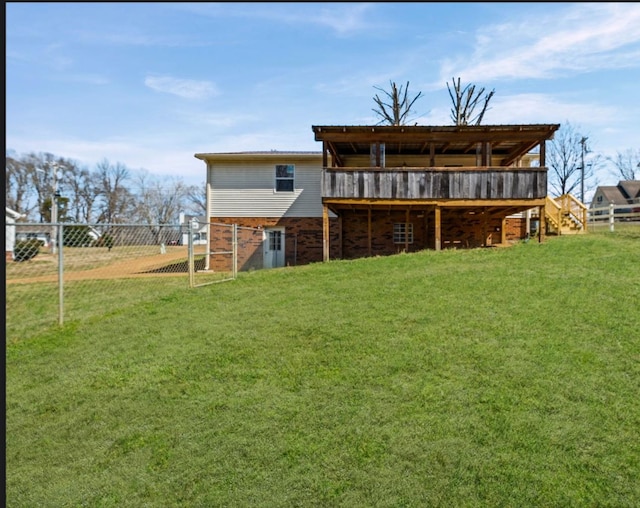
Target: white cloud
[215,120]
[343,19]
[545,108]
[585,37]
[186,88]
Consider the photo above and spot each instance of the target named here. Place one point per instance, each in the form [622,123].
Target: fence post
[234,249]
[60,242]
[611,217]
[190,255]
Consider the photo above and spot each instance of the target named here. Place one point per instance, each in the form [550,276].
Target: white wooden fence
[609,216]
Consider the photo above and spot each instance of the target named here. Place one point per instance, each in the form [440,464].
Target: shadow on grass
[179,267]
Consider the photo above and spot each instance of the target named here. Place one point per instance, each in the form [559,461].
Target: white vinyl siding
[246,189]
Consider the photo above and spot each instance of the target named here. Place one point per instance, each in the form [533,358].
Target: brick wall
[303,240]
[349,236]
[516,228]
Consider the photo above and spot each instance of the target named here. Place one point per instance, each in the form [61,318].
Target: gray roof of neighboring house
[620,194]
[613,194]
[630,187]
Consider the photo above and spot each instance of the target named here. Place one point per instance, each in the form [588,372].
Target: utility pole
[583,141]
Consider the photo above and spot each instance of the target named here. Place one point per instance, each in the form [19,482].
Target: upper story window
[284,177]
[599,199]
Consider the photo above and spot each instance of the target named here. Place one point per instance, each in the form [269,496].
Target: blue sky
[151,84]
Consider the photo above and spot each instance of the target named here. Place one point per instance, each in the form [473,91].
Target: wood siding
[486,183]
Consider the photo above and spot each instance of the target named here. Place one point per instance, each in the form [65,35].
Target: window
[599,199]
[275,240]
[284,177]
[403,232]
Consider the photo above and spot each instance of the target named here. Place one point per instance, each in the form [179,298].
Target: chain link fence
[62,272]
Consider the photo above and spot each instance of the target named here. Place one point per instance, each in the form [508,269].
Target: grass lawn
[485,377]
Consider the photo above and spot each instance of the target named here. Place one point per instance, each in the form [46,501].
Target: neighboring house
[626,192]
[201,227]
[30,231]
[11,216]
[378,190]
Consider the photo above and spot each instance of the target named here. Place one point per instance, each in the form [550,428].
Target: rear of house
[379,190]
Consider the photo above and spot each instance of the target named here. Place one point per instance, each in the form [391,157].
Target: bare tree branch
[397,110]
[465,101]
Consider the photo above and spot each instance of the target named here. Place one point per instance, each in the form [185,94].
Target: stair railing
[553,211]
[575,209]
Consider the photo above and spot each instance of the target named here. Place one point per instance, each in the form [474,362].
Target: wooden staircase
[565,215]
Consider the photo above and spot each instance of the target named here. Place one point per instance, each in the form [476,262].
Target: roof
[612,194]
[12,213]
[258,154]
[510,141]
[631,188]
[621,194]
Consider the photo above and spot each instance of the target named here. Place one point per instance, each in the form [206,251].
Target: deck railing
[575,208]
[435,183]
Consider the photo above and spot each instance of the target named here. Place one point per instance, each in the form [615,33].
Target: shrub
[24,250]
[77,236]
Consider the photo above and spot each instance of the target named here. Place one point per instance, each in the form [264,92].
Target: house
[11,216]
[626,192]
[200,224]
[379,190]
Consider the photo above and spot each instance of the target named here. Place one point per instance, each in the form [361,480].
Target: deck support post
[437,228]
[369,233]
[406,232]
[325,232]
[542,223]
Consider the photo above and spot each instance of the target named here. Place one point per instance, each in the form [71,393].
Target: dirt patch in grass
[172,263]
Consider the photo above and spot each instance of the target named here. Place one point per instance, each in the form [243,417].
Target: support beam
[340,253]
[325,232]
[485,232]
[437,227]
[503,231]
[369,233]
[406,231]
[542,223]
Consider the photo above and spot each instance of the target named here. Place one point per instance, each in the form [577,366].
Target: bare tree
[465,101]
[80,187]
[159,202]
[116,200]
[566,154]
[397,110]
[18,187]
[627,164]
[197,199]
[42,171]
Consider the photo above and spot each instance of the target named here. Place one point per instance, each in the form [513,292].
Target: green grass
[487,377]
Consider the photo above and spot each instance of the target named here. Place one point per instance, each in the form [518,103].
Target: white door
[273,247]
